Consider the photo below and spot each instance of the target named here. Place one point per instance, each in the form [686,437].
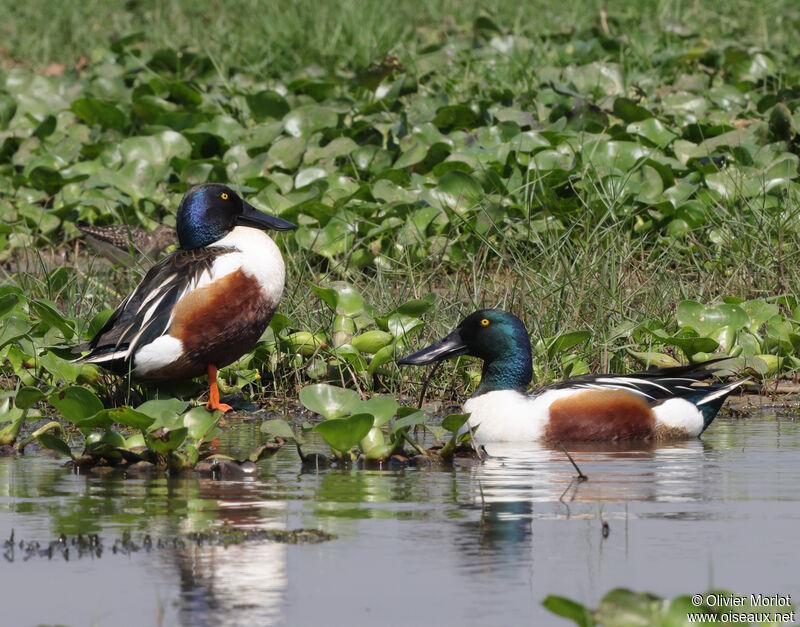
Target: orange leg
[213,392]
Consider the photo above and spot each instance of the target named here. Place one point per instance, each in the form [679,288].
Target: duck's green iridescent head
[207,213]
[495,336]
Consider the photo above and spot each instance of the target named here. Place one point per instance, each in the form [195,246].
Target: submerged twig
[581,476]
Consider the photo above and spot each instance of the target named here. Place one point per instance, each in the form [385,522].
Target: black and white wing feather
[146,314]
[654,385]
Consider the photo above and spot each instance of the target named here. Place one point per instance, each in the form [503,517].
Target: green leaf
[27,397]
[278,428]
[130,418]
[306,119]
[327,400]
[49,315]
[97,112]
[708,320]
[168,442]
[345,433]
[160,408]
[371,342]
[652,359]
[630,111]
[566,608]
[382,408]
[454,422]
[342,297]
[54,443]
[200,422]
[624,607]
[75,403]
[416,417]
[567,340]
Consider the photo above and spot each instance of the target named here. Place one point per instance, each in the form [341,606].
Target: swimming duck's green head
[495,336]
[208,213]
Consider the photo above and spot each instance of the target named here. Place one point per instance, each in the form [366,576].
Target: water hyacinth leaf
[306,119]
[416,307]
[55,443]
[687,340]
[27,397]
[458,190]
[412,419]
[267,104]
[653,359]
[455,117]
[708,319]
[277,428]
[370,342]
[167,441]
[13,329]
[382,357]
[567,340]
[382,408]
[328,401]
[345,433]
[373,444]
[342,297]
[49,315]
[454,422]
[630,111]
[97,112]
[305,342]
[159,408]
[128,417]
[61,369]
[624,606]
[566,608]
[75,403]
[200,422]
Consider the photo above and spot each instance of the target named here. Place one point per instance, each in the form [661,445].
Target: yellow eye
[224,195]
[485,322]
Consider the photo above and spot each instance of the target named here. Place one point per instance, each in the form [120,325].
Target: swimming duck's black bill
[450,346]
[253,217]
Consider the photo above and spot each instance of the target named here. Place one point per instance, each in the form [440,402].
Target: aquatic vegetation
[158,433]
[624,607]
[370,430]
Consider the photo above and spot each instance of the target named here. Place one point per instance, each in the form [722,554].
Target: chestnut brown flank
[207,313]
[596,415]
[216,324]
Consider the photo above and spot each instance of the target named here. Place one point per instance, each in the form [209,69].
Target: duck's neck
[511,370]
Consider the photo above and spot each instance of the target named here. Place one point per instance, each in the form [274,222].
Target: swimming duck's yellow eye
[224,195]
[485,322]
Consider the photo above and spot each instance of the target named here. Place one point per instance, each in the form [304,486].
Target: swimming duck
[116,242]
[663,404]
[204,305]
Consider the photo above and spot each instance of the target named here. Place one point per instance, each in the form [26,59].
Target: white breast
[257,256]
[509,416]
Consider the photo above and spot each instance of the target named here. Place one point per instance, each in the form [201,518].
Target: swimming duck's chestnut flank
[206,304]
[658,404]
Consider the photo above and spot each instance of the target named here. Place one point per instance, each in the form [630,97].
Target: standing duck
[657,405]
[204,305]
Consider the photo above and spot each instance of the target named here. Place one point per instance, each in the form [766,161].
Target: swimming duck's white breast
[510,416]
[257,256]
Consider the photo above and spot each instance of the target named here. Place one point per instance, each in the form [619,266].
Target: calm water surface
[471,546]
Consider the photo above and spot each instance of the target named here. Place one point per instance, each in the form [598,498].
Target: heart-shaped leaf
[345,433]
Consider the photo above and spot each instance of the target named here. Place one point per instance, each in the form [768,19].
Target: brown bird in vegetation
[122,243]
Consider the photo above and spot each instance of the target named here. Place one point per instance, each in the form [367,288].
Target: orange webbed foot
[220,406]
[213,392]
